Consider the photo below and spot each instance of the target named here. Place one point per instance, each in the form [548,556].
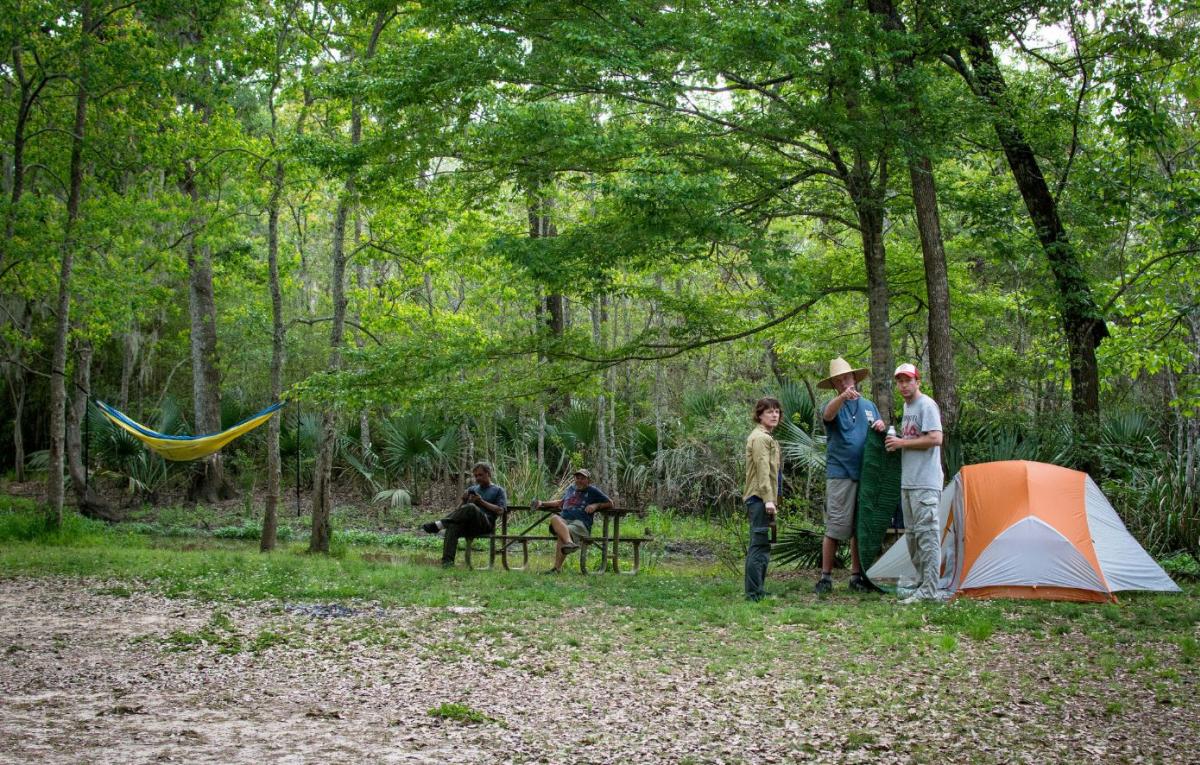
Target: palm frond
[799,448]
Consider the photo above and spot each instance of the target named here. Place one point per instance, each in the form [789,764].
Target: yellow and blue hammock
[183,448]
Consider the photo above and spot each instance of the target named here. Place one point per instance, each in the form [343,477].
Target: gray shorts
[841,500]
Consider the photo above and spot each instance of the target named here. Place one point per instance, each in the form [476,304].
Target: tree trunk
[360,275]
[1083,324]
[129,352]
[869,206]
[553,307]
[17,379]
[58,361]
[1192,424]
[942,369]
[541,443]
[209,484]
[322,504]
[601,459]
[773,361]
[89,502]
[17,184]
[270,524]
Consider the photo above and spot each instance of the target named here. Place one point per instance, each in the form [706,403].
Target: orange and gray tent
[1022,529]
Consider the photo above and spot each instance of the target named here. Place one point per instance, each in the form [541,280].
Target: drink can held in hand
[891,430]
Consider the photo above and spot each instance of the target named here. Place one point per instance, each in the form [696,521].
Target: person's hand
[474,498]
[878,426]
[590,509]
[850,394]
[534,504]
[892,443]
[770,508]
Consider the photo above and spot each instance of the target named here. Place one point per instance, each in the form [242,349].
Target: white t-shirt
[921,468]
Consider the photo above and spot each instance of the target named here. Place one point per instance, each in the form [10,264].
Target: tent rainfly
[1022,529]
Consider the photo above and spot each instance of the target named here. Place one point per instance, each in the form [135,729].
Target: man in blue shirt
[578,505]
[847,417]
[482,504]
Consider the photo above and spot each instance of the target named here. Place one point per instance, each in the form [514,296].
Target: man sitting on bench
[482,503]
[578,504]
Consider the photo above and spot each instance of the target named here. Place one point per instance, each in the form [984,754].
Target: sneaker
[429,528]
[860,583]
[570,547]
[823,586]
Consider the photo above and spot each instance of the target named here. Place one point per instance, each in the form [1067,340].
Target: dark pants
[467,521]
[759,553]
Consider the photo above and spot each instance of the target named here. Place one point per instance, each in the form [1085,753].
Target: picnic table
[608,541]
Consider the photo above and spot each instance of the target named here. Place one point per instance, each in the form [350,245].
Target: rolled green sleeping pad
[878,497]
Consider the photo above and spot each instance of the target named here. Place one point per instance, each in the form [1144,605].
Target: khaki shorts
[841,500]
[577,528]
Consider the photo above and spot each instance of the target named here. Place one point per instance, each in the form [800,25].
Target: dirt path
[99,672]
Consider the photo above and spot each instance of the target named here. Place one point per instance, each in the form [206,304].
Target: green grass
[459,713]
[679,604]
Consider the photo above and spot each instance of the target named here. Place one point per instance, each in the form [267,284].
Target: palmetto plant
[574,432]
[802,547]
[124,457]
[417,445]
[799,448]
[799,408]
[300,440]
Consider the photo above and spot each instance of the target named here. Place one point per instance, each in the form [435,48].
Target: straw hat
[839,367]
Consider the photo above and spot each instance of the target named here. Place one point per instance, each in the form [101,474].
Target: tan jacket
[763,459]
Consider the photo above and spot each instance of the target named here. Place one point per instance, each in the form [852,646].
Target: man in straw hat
[847,417]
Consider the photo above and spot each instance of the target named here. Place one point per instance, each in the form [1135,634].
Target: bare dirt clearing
[110,672]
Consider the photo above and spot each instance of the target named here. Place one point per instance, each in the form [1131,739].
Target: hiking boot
[823,586]
[859,583]
[429,528]
[570,547]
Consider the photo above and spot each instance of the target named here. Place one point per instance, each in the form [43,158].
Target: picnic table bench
[609,540]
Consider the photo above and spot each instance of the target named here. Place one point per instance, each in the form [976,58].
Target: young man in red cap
[920,480]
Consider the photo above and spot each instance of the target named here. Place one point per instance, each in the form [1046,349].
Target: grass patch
[219,632]
[459,713]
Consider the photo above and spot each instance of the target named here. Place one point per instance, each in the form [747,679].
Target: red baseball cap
[907,370]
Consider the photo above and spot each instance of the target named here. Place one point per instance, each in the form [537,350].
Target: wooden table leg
[616,542]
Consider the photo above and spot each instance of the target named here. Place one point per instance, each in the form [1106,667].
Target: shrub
[34,526]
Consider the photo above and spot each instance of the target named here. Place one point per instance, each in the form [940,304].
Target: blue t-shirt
[492,494]
[847,437]
[574,501]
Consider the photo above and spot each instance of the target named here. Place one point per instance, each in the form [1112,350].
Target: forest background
[554,235]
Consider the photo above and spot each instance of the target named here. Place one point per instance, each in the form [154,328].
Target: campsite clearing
[225,655]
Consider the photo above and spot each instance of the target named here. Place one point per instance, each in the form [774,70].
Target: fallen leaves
[360,683]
